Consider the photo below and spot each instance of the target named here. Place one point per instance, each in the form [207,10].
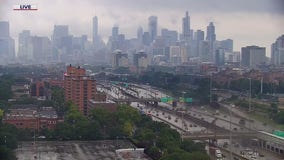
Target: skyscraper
[25,47]
[153,27]
[204,51]
[41,49]
[4,29]
[211,36]
[59,32]
[253,56]
[140,34]
[7,44]
[169,36]
[114,34]
[277,51]
[95,29]
[199,35]
[114,38]
[186,26]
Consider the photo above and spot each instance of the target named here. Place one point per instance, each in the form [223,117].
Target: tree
[1,116]
[190,146]
[280,117]
[146,136]
[101,116]
[6,153]
[154,152]
[127,128]
[57,98]
[127,114]
[273,110]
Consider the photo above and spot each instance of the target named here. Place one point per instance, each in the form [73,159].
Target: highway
[191,120]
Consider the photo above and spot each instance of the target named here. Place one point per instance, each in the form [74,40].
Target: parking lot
[71,150]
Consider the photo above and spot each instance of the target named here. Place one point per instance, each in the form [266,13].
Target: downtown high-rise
[153,27]
[7,44]
[277,51]
[186,27]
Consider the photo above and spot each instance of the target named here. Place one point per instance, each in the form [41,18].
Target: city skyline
[249,18]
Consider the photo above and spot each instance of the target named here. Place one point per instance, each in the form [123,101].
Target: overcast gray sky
[247,22]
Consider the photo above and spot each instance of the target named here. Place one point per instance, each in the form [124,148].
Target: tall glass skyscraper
[95,29]
[7,44]
[153,27]
[211,36]
[4,29]
[186,26]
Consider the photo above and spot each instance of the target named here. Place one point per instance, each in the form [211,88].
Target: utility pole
[231,156]
[210,88]
[250,108]
[249,95]
[261,85]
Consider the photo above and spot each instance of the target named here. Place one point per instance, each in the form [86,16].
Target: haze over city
[254,22]
[142,79]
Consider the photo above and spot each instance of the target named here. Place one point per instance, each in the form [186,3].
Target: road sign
[166,99]
[189,100]
[279,133]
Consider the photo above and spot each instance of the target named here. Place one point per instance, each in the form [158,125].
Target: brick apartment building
[31,118]
[37,89]
[79,87]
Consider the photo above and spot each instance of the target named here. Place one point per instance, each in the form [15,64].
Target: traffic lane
[173,119]
[255,124]
[246,152]
[223,120]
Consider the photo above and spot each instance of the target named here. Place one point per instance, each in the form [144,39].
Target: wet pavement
[71,150]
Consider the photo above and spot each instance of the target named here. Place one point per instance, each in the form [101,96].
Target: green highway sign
[279,133]
[166,99]
[189,100]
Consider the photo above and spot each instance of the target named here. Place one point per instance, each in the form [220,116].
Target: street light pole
[249,95]
[250,106]
[182,121]
[230,134]
[210,88]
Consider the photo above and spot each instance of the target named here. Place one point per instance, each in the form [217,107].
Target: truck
[216,152]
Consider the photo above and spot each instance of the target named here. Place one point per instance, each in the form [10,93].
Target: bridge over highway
[134,99]
[206,136]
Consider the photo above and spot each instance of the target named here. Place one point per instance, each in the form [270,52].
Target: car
[236,145]
[261,155]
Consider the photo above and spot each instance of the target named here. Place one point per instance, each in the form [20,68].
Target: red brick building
[37,89]
[32,119]
[106,104]
[79,87]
